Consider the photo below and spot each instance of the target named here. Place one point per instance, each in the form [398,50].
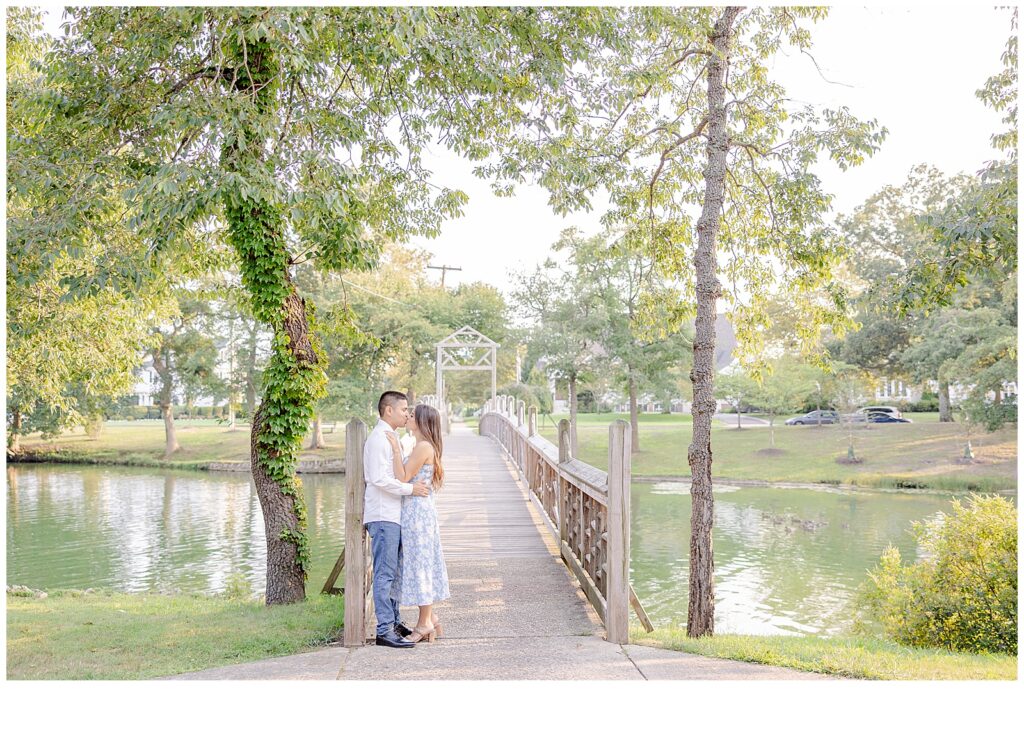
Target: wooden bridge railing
[586,508]
[355,559]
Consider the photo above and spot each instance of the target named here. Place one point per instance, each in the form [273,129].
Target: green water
[137,530]
[786,560]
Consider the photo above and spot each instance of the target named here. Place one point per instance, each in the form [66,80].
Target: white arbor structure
[464,350]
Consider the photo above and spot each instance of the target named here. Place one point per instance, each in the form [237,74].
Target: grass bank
[920,455]
[853,657]
[76,635]
[141,443]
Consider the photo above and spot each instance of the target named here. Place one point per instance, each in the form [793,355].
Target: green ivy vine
[256,232]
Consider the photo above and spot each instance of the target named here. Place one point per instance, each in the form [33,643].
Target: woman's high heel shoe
[438,630]
[418,634]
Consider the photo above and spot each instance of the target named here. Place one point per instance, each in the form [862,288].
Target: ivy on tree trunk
[294,378]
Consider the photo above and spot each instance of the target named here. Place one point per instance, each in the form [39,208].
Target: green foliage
[537,397]
[635,123]
[976,234]
[962,594]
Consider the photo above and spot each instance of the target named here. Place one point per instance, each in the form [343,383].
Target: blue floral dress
[422,578]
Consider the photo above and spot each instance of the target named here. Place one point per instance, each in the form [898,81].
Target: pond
[786,560]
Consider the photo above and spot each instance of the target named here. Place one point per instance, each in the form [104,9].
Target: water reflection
[786,560]
[142,530]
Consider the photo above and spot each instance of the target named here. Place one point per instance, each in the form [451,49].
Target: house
[147,388]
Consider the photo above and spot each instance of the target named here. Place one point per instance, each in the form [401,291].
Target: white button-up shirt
[383,497]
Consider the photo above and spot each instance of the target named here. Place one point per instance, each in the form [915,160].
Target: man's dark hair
[389,398]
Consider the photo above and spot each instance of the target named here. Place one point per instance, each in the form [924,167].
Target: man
[382,515]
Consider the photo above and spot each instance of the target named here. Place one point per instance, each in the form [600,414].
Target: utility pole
[444,270]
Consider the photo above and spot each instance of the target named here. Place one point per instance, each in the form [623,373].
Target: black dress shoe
[402,629]
[391,639]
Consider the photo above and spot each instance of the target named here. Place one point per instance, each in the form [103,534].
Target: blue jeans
[385,539]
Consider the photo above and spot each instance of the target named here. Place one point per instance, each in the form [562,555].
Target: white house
[147,388]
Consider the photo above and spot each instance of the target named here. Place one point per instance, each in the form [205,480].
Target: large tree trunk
[634,419]
[14,436]
[945,409]
[286,579]
[573,444]
[317,436]
[166,403]
[700,619]
[294,379]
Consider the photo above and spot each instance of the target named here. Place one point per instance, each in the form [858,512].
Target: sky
[913,69]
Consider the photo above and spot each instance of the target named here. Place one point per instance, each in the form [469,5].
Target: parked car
[887,409]
[886,418]
[815,417]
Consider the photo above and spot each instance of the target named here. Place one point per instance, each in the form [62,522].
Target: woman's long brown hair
[428,420]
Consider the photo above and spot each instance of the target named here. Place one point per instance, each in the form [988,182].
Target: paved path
[515,611]
[748,421]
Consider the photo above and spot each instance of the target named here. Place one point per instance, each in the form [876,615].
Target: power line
[377,294]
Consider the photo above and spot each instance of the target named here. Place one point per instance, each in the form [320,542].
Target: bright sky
[914,69]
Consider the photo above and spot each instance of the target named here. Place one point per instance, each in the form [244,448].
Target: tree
[653,120]
[849,388]
[572,323]
[736,388]
[885,237]
[68,351]
[975,234]
[644,336]
[299,131]
[785,388]
[184,357]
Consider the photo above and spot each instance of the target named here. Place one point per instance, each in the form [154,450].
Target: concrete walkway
[515,611]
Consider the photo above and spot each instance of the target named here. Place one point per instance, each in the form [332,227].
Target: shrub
[962,594]
[929,403]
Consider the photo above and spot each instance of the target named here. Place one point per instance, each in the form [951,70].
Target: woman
[422,578]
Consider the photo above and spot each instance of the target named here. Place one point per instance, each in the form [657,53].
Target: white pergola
[465,350]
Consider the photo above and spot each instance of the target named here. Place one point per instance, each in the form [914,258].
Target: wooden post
[619,469]
[355,535]
[533,421]
[520,413]
[563,456]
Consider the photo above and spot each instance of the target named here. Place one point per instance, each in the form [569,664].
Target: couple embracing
[400,518]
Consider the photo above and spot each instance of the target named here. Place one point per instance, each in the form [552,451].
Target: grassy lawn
[919,455]
[73,635]
[860,658]
[141,442]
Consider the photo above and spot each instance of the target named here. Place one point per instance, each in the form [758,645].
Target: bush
[962,594]
[929,403]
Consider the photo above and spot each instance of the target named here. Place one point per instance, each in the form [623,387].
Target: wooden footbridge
[537,550]
[514,508]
